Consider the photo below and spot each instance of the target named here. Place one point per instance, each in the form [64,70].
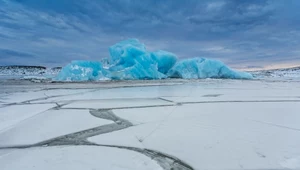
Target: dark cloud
[11,53]
[242,33]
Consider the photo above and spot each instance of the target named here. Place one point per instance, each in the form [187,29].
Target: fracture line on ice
[240,101]
[109,85]
[183,103]
[172,103]
[276,125]
[166,100]
[43,98]
[118,108]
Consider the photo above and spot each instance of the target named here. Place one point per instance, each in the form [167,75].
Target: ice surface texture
[129,60]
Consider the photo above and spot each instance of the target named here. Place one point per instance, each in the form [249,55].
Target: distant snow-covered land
[278,73]
[39,72]
[28,70]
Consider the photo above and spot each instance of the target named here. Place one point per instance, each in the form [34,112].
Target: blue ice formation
[199,68]
[129,60]
[82,71]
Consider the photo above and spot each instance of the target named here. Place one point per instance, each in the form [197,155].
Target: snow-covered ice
[117,103]
[75,158]
[196,124]
[12,115]
[48,125]
[251,136]
[41,92]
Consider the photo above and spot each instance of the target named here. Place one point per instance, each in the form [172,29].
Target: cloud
[11,57]
[11,53]
[239,32]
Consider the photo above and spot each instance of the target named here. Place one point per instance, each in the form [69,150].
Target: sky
[244,34]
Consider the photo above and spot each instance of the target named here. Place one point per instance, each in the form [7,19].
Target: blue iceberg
[199,68]
[164,60]
[129,60]
[82,71]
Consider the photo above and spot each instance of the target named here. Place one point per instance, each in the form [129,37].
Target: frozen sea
[170,124]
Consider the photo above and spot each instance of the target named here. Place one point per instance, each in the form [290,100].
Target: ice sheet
[10,116]
[238,124]
[117,103]
[247,135]
[40,94]
[76,158]
[208,90]
[123,93]
[50,124]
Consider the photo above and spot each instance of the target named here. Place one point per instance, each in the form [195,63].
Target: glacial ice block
[82,71]
[126,51]
[199,68]
[165,60]
[142,67]
[129,60]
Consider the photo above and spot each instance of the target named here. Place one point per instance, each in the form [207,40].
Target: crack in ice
[276,125]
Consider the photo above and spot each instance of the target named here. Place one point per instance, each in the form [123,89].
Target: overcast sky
[241,33]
